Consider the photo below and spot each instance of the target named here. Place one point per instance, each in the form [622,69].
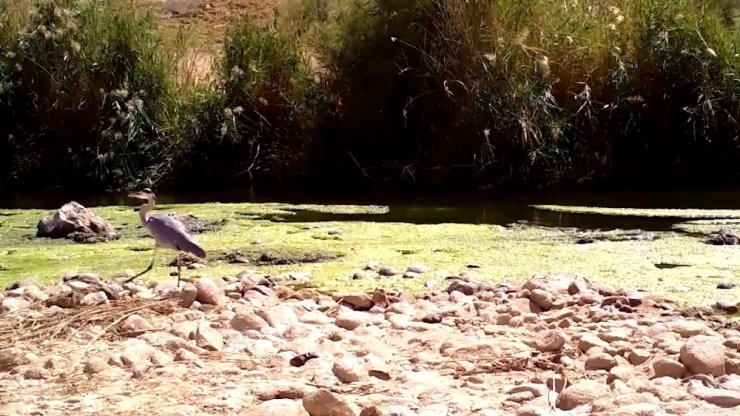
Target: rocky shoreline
[244,345]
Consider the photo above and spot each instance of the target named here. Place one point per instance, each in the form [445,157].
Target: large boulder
[76,222]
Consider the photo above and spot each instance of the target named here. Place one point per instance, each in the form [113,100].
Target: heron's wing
[171,233]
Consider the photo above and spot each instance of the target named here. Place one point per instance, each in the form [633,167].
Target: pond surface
[500,209]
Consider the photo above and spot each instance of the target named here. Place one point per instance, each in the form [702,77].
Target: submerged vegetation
[442,94]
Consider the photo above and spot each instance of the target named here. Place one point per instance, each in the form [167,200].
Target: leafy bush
[479,92]
[85,93]
[254,121]
[447,94]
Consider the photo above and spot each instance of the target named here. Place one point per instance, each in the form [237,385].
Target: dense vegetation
[440,93]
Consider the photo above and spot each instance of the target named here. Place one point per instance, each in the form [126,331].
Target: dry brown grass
[50,325]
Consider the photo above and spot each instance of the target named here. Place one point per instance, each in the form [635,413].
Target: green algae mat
[643,212]
[332,251]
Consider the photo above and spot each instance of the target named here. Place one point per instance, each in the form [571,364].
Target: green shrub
[479,92]
[256,118]
[449,94]
[86,91]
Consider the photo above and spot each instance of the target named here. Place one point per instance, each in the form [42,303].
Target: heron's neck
[145,210]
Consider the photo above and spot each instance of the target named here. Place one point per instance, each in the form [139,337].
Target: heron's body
[167,232]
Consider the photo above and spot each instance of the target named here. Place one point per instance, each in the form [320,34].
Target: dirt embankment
[208,20]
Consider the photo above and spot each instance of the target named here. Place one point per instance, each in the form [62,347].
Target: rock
[244,322]
[418,268]
[208,292]
[557,383]
[185,329]
[411,275]
[362,275]
[733,342]
[533,409]
[351,320]
[183,355]
[184,295]
[94,298]
[348,370]
[432,318]
[358,301]
[323,402]
[196,266]
[372,265]
[12,304]
[208,337]
[638,356]
[583,392]
[304,276]
[33,293]
[522,396]
[276,407]
[725,285]
[73,220]
[633,409]
[727,306]
[386,409]
[138,352]
[578,285]
[279,317]
[616,335]
[36,372]
[94,365]
[667,367]
[732,366]
[600,361]
[620,372]
[89,278]
[524,305]
[135,325]
[387,271]
[537,390]
[503,319]
[281,389]
[78,285]
[466,288]
[688,328]
[549,341]
[589,341]
[716,396]
[315,318]
[703,354]
[542,299]
[171,342]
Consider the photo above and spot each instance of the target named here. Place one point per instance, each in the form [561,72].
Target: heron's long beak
[138,195]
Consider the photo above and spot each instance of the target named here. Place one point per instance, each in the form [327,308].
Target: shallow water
[501,209]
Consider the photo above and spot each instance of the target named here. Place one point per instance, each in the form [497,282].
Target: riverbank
[241,345]
[335,254]
[344,93]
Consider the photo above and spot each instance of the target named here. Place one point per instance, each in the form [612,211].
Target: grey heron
[167,231]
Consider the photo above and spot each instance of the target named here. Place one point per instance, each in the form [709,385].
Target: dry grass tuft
[54,324]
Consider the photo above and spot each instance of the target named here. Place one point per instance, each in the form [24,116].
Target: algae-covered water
[501,239]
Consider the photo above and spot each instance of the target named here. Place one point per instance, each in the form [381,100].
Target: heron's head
[145,194]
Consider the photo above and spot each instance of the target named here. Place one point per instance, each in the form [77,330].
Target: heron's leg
[151,265]
[178,274]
